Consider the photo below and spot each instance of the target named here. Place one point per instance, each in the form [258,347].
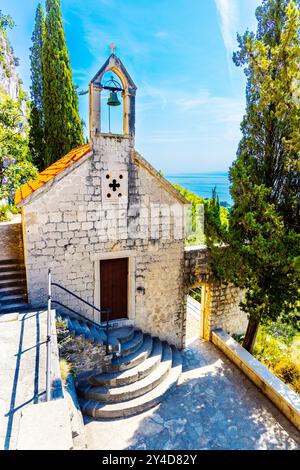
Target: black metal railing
[51,301]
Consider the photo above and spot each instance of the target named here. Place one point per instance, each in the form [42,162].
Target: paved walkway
[22,371]
[214,407]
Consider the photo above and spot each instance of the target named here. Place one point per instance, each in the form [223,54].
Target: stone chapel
[108,225]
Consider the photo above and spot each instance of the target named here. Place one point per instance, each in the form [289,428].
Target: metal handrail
[79,298]
[79,314]
[107,311]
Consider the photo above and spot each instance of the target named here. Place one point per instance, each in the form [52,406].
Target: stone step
[133,344]
[87,333]
[9,275]
[133,359]
[115,379]
[13,283]
[133,390]
[139,404]
[86,330]
[11,267]
[12,298]
[75,327]
[9,262]
[14,308]
[122,334]
[98,334]
[12,290]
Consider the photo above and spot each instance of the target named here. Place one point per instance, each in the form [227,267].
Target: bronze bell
[113,99]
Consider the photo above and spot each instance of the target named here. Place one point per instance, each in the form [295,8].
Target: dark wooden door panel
[114,286]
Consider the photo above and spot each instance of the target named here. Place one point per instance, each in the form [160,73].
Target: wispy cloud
[222,109]
[228,11]
[161,34]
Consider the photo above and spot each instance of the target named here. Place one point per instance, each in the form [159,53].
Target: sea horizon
[203,183]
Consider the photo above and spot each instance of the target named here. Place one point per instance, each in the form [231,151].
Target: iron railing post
[98,325]
[48,365]
[107,331]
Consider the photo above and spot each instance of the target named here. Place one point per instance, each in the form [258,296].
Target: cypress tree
[36,119]
[262,245]
[63,127]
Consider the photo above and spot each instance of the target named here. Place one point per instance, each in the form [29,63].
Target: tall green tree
[15,164]
[63,128]
[263,241]
[6,21]
[36,119]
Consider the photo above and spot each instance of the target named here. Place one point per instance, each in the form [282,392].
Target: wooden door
[114,287]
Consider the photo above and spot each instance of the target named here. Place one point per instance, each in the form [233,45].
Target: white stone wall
[226,313]
[69,226]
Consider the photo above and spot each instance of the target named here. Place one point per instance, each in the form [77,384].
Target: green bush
[7,211]
[15,210]
[277,347]
[289,372]
[5,215]
[269,349]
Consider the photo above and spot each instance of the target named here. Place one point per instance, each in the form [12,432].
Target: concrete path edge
[283,397]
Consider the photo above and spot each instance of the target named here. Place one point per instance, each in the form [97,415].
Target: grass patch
[65,370]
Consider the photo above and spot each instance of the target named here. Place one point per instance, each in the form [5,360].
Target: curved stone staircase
[144,372]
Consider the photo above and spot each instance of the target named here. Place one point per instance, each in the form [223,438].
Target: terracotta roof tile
[47,175]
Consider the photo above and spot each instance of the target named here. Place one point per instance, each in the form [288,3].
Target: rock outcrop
[9,80]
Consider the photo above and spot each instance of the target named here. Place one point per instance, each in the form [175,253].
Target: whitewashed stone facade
[70,228]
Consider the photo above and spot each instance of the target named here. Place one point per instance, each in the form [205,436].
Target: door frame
[131,256]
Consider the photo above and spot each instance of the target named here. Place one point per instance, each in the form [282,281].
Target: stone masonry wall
[11,240]
[84,356]
[69,227]
[222,301]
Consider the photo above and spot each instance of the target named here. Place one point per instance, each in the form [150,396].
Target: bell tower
[126,87]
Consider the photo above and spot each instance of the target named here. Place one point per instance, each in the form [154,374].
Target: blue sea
[202,184]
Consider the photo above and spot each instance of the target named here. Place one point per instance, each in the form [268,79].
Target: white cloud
[220,109]
[161,34]
[229,17]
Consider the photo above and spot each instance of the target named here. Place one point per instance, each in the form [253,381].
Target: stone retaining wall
[11,240]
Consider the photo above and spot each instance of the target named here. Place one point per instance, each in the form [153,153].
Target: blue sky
[190,98]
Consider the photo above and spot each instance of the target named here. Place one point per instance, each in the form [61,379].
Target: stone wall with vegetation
[11,240]
[68,227]
[221,302]
[80,355]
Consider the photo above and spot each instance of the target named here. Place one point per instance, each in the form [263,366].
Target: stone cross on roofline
[112,47]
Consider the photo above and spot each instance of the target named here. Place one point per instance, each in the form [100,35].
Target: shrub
[289,372]
[269,349]
[65,369]
[5,214]
[15,210]
[277,347]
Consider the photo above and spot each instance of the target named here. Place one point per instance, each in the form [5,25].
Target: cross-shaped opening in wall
[114,185]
